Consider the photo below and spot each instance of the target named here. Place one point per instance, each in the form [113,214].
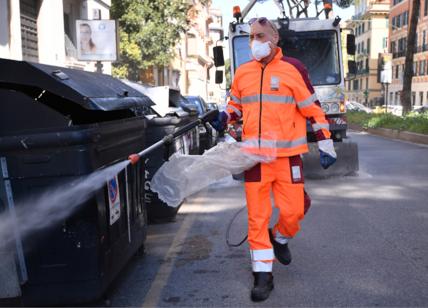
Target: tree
[406,93]
[148,33]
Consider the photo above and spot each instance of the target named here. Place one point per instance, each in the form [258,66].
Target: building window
[390,98]
[367,65]
[424,35]
[384,42]
[421,98]
[364,23]
[356,84]
[29,37]
[405,18]
[367,83]
[416,41]
[425,7]
[396,72]
[413,98]
[192,45]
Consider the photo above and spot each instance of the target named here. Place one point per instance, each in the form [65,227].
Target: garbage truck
[317,43]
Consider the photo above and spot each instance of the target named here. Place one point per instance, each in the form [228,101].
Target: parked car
[379,109]
[396,110]
[207,134]
[421,109]
[212,106]
[199,102]
[355,106]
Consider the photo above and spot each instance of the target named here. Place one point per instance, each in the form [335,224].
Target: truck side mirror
[350,44]
[218,77]
[352,67]
[218,56]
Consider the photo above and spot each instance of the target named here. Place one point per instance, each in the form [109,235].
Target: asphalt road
[364,242]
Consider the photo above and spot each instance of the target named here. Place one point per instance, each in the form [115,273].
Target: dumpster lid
[159,95]
[90,90]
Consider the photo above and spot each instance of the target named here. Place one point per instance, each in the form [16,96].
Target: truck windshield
[318,50]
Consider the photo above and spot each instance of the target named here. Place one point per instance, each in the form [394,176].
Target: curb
[393,134]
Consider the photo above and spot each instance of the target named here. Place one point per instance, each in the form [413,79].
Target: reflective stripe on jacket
[274,103]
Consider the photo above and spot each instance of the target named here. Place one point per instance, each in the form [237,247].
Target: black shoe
[263,284]
[281,251]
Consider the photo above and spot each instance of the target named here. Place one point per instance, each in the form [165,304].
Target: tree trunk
[406,93]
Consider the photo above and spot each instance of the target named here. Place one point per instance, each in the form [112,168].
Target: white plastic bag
[184,175]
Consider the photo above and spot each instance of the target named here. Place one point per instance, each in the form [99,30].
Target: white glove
[327,147]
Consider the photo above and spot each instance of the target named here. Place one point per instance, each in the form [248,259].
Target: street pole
[386,100]
[384,94]
[99,65]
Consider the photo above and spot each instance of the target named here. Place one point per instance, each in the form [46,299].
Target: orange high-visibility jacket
[274,103]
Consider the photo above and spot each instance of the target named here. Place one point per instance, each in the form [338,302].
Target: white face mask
[260,50]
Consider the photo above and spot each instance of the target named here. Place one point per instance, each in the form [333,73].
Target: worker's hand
[220,123]
[327,153]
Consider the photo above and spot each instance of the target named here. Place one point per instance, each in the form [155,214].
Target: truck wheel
[338,135]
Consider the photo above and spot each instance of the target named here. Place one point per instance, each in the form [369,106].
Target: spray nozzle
[134,158]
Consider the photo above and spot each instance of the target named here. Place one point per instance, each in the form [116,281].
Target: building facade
[399,21]
[192,70]
[194,53]
[44,31]
[370,26]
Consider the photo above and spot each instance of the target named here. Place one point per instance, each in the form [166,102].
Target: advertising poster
[96,40]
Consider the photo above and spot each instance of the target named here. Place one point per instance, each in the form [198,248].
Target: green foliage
[413,122]
[149,31]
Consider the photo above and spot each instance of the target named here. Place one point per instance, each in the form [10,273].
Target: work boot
[263,284]
[281,251]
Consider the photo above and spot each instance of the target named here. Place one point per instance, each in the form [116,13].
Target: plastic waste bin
[158,211]
[169,113]
[56,125]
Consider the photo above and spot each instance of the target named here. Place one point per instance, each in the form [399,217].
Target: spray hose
[229,226]
[207,117]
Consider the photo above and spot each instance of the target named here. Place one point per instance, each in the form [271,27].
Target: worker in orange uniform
[273,96]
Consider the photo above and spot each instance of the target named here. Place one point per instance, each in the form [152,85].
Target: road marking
[153,295]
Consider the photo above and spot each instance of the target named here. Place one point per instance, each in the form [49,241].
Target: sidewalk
[393,134]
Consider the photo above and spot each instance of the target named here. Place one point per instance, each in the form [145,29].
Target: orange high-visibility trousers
[284,177]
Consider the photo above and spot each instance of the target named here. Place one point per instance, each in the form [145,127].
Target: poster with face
[96,40]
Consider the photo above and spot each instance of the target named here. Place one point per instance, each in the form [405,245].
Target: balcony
[421,48]
[398,54]
[362,71]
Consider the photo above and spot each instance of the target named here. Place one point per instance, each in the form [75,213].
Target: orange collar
[278,55]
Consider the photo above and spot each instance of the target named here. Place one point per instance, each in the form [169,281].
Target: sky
[267,9]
